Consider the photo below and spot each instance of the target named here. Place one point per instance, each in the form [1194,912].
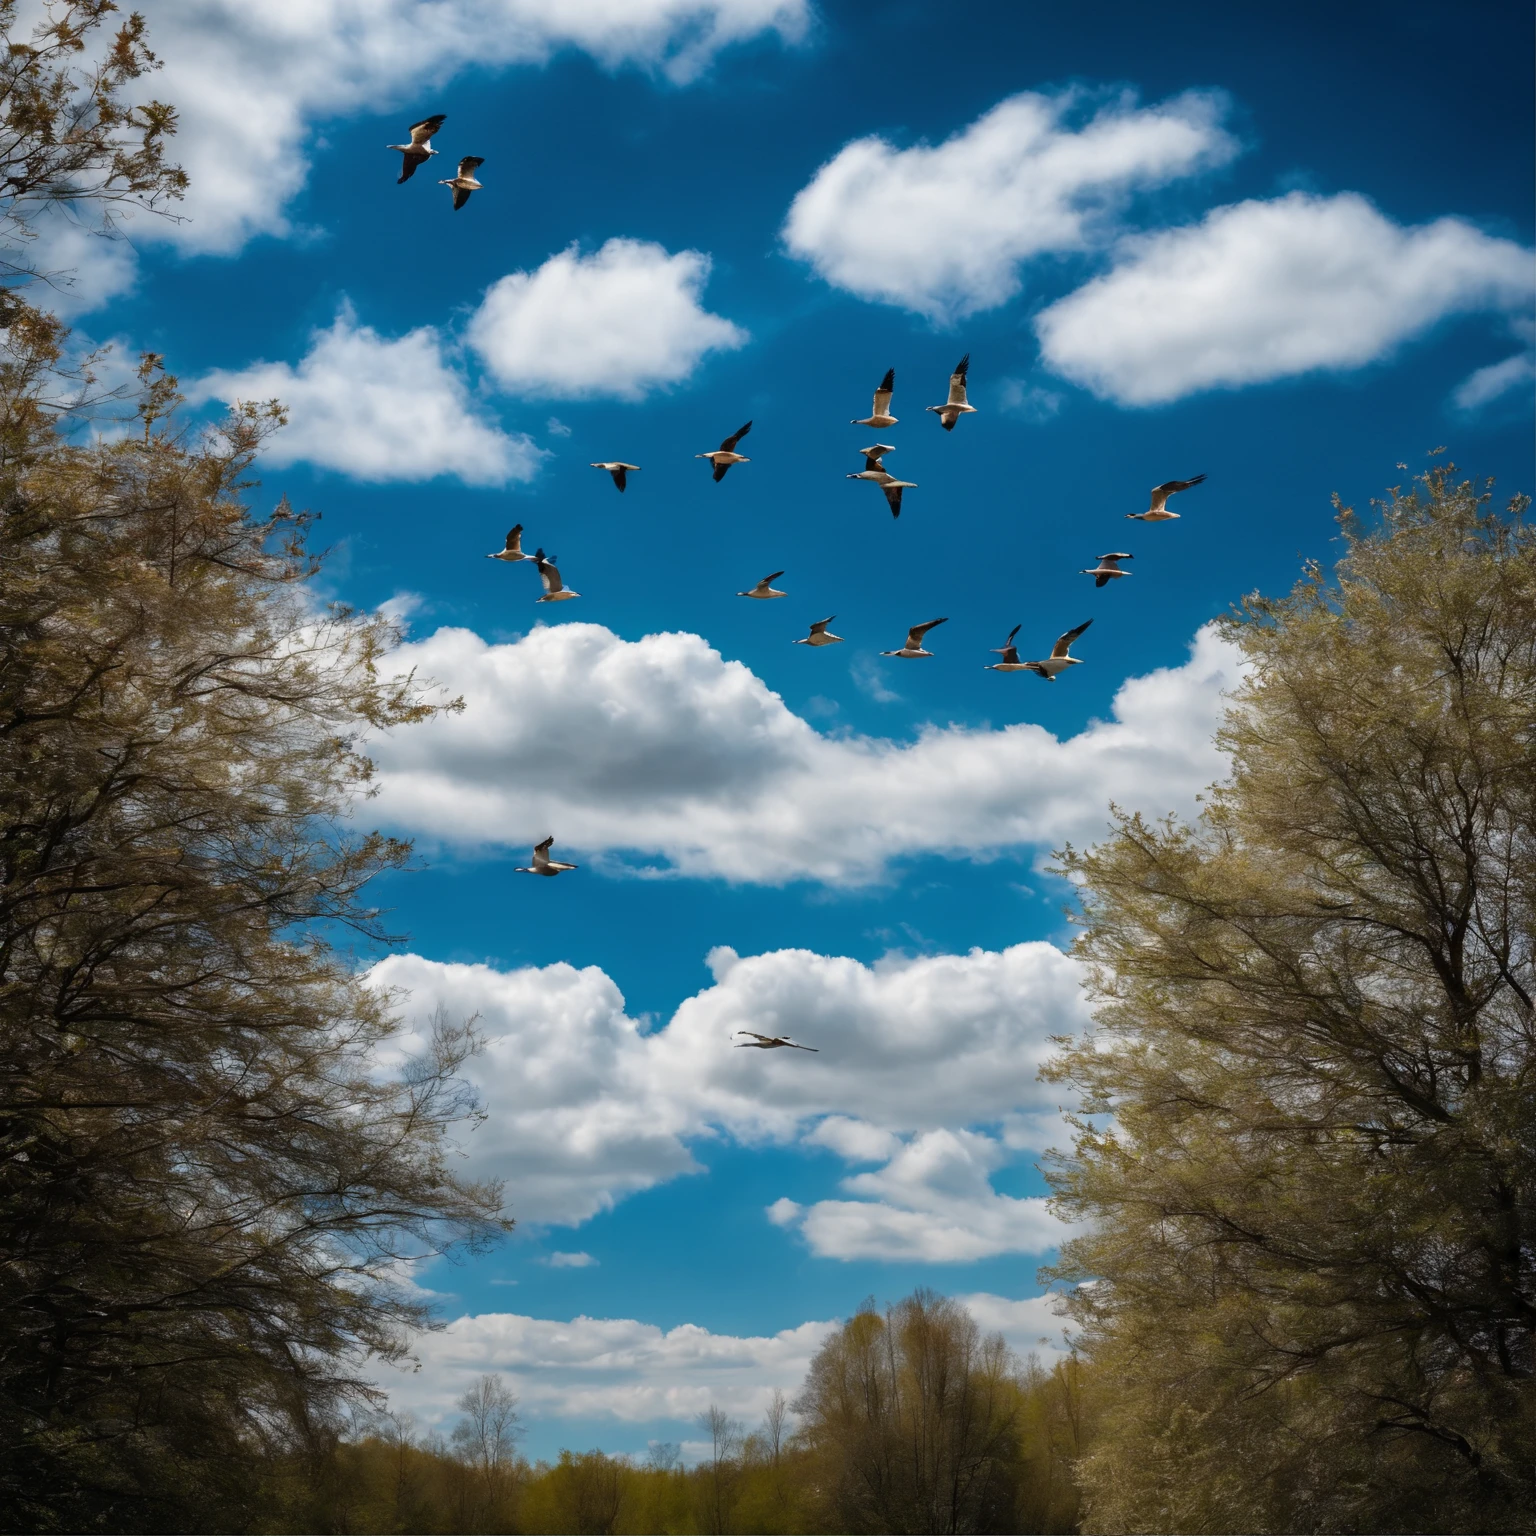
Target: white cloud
[1031,1326]
[603,1368]
[377,409]
[855,1141]
[618,323]
[660,745]
[251,80]
[571,1261]
[1269,289]
[944,229]
[85,267]
[1495,381]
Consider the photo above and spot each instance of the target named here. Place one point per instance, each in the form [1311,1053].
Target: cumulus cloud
[618,323]
[377,409]
[603,1368]
[1266,290]
[251,80]
[662,746]
[585,1107]
[943,230]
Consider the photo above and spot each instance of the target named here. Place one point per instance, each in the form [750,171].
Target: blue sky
[1289,251]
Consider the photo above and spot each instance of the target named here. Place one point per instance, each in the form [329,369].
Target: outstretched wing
[550,577]
[470,164]
[720,470]
[460,197]
[1064,644]
[957,381]
[794,1047]
[408,166]
[769,580]
[1161,493]
[916,633]
[514,544]
[754,1035]
[893,498]
[421,133]
[729,445]
[620,476]
[820,626]
[884,392]
[541,850]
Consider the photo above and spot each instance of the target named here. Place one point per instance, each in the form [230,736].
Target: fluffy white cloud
[250,80]
[944,229]
[603,1367]
[584,1107]
[1495,381]
[1269,289]
[377,409]
[660,745]
[617,323]
[1031,1326]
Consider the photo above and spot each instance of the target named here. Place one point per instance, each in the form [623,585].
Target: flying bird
[770,1042]
[620,472]
[875,471]
[464,183]
[1107,569]
[914,645]
[725,455]
[1158,512]
[514,546]
[820,635]
[1010,654]
[955,407]
[766,588]
[1058,660]
[419,150]
[881,415]
[542,863]
[555,591]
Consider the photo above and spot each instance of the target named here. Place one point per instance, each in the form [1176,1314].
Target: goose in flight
[821,635]
[955,407]
[770,1042]
[725,455]
[874,470]
[620,472]
[555,591]
[419,150]
[1010,654]
[464,183]
[766,588]
[542,863]
[514,546]
[914,645]
[1058,660]
[1158,512]
[1107,569]
[881,415]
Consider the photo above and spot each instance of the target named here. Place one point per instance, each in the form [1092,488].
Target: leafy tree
[1309,1275]
[208,1181]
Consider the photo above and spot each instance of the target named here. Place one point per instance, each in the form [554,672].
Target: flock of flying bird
[722,459]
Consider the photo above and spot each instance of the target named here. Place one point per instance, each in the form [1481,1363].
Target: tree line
[1302,1160]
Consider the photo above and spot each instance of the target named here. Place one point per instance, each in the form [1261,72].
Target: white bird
[955,407]
[1010,654]
[725,455]
[820,635]
[555,591]
[766,588]
[1158,512]
[514,547]
[914,645]
[1107,569]
[770,1042]
[620,472]
[1058,660]
[542,863]
[464,183]
[881,415]
[419,150]
[876,472]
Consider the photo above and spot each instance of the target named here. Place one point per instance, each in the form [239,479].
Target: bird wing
[408,165]
[774,577]
[460,197]
[541,850]
[1064,644]
[884,392]
[794,1047]
[893,498]
[957,381]
[1161,493]
[916,633]
[514,540]
[421,133]
[1011,633]
[729,445]
[754,1034]
[470,164]
[620,473]
[550,577]
[820,626]
[720,470]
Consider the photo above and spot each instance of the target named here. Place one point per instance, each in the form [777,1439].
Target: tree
[1309,1273]
[721,1471]
[486,1440]
[208,1180]
[912,1418]
[68,139]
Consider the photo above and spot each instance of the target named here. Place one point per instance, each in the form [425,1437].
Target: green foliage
[1309,1277]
